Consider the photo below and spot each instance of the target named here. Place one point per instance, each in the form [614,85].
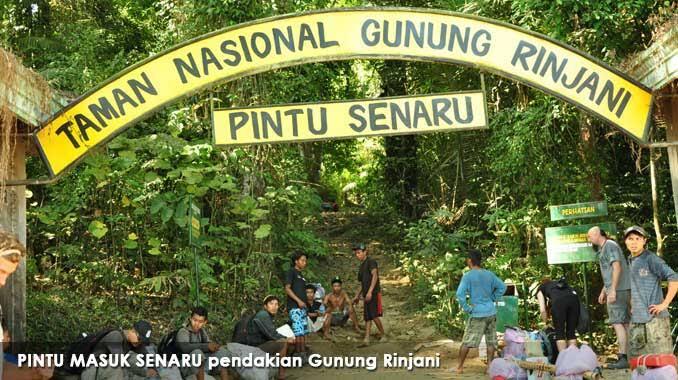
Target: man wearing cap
[483,288]
[650,325]
[616,291]
[193,339]
[339,309]
[368,275]
[11,253]
[118,342]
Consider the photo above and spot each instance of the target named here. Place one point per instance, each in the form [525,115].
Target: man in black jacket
[261,332]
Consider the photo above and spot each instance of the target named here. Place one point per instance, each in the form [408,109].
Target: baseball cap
[637,229]
[359,246]
[336,280]
[143,328]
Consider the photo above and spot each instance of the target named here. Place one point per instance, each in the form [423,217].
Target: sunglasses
[11,254]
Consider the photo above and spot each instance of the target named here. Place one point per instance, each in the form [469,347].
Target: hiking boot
[621,363]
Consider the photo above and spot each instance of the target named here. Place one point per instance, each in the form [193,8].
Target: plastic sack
[319,292]
[515,343]
[507,369]
[662,373]
[575,361]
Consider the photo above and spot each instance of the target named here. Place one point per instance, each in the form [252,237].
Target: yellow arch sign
[384,33]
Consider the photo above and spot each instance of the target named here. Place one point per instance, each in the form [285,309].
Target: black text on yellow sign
[346,119]
[382,33]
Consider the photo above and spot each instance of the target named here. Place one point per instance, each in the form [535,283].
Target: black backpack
[241,329]
[168,345]
[84,345]
[548,344]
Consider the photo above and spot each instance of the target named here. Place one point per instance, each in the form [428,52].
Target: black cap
[143,329]
[337,280]
[637,229]
[359,246]
[311,286]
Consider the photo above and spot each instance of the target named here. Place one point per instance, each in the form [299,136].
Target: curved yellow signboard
[385,33]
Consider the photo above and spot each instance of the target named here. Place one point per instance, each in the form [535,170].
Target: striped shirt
[647,272]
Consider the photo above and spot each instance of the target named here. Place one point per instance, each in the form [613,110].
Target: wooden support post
[670,110]
[13,218]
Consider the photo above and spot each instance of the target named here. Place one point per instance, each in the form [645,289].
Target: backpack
[241,329]
[84,345]
[548,344]
[167,343]
[319,292]
[584,324]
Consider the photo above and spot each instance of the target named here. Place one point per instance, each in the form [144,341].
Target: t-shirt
[297,282]
[608,254]
[483,288]
[314,308]
[365,276]
[551,291]
[647,272]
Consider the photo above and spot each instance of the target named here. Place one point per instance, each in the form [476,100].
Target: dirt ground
[408,331]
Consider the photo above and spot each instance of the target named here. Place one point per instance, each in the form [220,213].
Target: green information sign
[578,210]
[569,244]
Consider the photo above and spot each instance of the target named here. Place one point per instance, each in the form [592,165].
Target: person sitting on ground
[483,288]
[338,308]
[193,339]
[117,342]
[564,309]
[11,369]
[313,307]
[261,332]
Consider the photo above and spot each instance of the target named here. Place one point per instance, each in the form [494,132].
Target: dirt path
[408,330]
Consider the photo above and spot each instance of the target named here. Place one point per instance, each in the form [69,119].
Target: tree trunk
[401,170]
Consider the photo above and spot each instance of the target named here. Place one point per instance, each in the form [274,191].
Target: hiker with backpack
[259,331]
[616,291]
[193,339]
[564,310]
[116,342]
[650,331]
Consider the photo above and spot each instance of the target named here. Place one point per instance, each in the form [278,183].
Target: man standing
[650,325]
[484,288]
[11,253]
[368,275]
[295,288]
[616,291]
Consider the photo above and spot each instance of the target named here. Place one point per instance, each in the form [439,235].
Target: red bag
[653,360]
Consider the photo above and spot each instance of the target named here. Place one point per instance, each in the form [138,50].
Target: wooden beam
[13,218]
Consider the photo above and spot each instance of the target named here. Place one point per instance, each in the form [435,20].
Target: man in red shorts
[368,275]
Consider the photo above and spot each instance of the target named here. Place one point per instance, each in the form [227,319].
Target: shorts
[299,322]
[653,337]
[339,318]
[619,312]
[373,309]
[476,328]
